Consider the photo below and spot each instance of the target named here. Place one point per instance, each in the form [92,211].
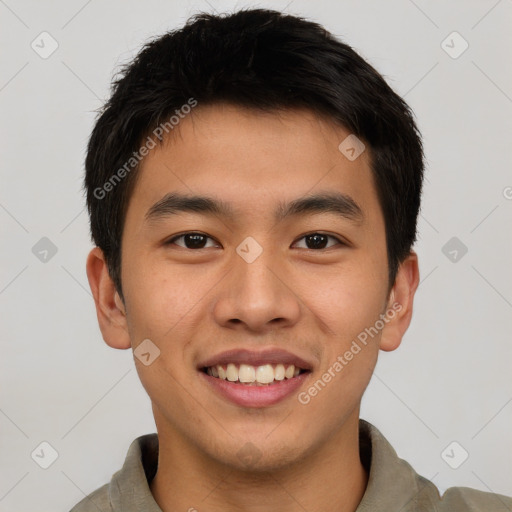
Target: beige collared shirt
[393,485]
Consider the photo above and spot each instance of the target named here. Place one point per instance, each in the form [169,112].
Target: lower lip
[255,396]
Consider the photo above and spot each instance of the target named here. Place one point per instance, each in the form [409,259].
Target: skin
[195,303]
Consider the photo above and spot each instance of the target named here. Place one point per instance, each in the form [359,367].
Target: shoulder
[97,501]
[395,485]
[130,483]
[471,500]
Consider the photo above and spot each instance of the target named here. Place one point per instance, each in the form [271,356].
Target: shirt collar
[392,485]
[129,488]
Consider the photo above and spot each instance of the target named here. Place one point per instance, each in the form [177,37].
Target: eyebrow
[337,203]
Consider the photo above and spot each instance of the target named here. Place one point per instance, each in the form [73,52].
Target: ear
[400,302]
[110,310]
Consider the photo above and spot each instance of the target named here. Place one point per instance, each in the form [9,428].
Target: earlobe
[400,303]
[110,311]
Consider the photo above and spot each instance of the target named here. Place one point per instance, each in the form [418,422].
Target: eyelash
[172,240]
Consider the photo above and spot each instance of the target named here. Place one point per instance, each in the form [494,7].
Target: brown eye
[318,241]
[190,240]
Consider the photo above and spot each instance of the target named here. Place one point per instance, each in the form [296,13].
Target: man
[253,187]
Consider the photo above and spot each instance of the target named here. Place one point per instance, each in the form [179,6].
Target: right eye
[191,240]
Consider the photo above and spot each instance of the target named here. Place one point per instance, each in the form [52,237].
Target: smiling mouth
[248,375]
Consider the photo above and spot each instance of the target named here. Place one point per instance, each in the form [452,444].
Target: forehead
[252,159]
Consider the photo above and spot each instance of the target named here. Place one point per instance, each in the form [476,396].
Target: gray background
[449,380]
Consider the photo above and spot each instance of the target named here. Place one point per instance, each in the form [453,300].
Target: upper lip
[256,358]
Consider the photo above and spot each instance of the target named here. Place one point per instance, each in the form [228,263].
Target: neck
[330,478]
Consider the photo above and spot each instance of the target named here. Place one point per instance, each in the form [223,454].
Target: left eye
[192,240]
[318,240]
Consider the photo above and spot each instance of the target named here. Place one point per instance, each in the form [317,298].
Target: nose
[257,296]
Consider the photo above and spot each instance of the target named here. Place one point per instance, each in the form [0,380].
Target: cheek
[349,299]
[162,297]
[164,304]
[350,354]
[349,306]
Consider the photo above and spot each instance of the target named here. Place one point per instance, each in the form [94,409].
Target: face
[259,274]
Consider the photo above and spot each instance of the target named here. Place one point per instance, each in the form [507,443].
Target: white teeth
[232,372]
[247,374]
[265,374]
[279,372]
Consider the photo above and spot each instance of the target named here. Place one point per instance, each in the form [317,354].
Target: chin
[260,457]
